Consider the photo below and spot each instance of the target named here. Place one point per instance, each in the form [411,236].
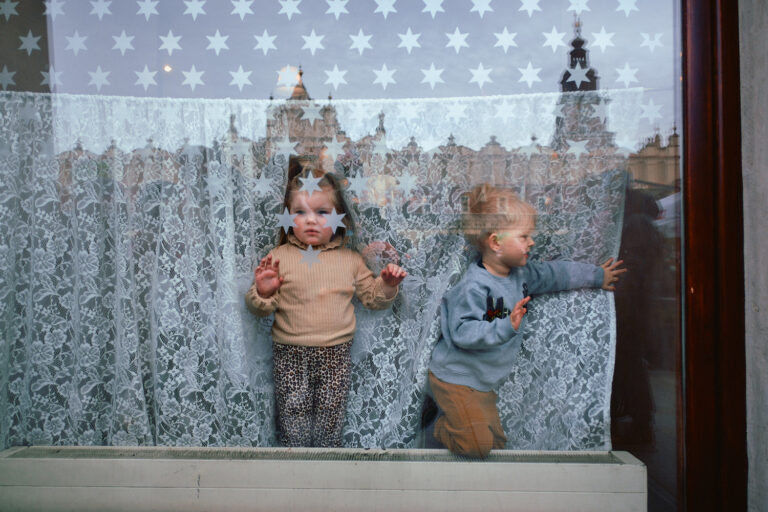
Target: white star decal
[240,78]
[578,75]
[457,111]
[29,42]
[265,42]
[553,39]
[123,42]
[481,7]
[530,75]
[313,42]
[406,183]
[433,7]
[334,148]
[6,78]
[432,76]
[98,78]
[385,7]
[358,184]
[145,77]
[285,147]
[651,43]
[193,77]
[8,9]
[409,40]
[530,149]
[170,42]
[603,38]
[242,8]
[100,8]
[626,74]
[51,77]
[52,8]
[380,148]
[505,39]
[409,110]
[309,256]
[194,8]
[288,75]
[336,77]
[337,7]
[333,220]
[577,148]
[578,6]
[384,76]
[506,110]
[311,113]
[147,8]
[457,40]
[651,111]
[600,111]
[262,185]
[530,6]
[285,220]
[217,42]
[627,6]
[76,42]
[480,75]
[310,184]
[360,42]
[289,7]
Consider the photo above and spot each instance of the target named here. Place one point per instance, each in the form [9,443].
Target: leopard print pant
[311,386]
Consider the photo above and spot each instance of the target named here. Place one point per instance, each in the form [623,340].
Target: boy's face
[309,223]
[514,243]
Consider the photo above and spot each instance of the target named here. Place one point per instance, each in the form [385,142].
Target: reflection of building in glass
[656,166]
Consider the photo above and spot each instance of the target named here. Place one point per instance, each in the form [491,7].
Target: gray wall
[753,25]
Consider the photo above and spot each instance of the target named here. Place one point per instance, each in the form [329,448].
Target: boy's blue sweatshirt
[478,343]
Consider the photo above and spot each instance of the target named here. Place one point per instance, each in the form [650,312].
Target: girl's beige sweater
[313,306]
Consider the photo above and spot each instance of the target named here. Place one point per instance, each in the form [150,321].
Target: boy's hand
[611,272]
[392,275]
[267,277]
[517,313]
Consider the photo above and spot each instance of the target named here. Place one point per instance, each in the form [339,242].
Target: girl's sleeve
[553,276]
[257,304]
[370,289]
[462,317]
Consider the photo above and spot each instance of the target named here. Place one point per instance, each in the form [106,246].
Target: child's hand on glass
[392,275]
[267,277]
[517,313]
[611,272]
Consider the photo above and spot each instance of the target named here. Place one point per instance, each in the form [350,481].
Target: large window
[145,151]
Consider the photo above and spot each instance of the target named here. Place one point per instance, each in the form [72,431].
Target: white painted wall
[753,24]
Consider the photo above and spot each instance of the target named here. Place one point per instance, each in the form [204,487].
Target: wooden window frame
[713,451]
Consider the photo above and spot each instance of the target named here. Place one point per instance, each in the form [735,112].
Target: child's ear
[493,242]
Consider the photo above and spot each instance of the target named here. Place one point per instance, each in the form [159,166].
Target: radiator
[277,479]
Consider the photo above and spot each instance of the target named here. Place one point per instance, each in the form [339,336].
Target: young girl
[483,318]
[308,281]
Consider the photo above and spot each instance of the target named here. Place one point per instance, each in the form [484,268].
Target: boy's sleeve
[369,289]
[553,276]
[462,319]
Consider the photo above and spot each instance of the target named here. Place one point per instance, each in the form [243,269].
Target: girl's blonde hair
[296,171]
[489,208]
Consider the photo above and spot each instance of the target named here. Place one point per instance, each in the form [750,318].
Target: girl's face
[309,223]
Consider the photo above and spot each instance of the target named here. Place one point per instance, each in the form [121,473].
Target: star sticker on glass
[385,7]
[530,6]
[194,8]
[29,42]
[310,256]
[240,78]
[99,78]
[458,40]
[480,75]
[481,7]
[193,77]
[432,76]
[51,77]
[100,8]
[334,148]
[288,75]
[52,8]
[76,42]
[406,183]
[577,148]
[384,76]
[505,39]
[242,8]
[6,78]
[433,7]
[333,220]
[360,42]
[285,147]
[286,220]
[310,184]
[313,42]
[217,42]
[262,185]
[578,6]
[578,75]
[530,75]
[265,42]
[358,184]
[651,111]
[170,42]
[337,7]
[603,39]
[145,77]
[554,39]
[409,40]
[123,42]
[626,74]
[147,8]
[311,113]
[627,6]
[651,43]
[336,77]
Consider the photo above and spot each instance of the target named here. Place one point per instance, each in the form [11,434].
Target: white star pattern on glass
[433,7]
[505,39]
[481,7]
[123,42]
[145,77]
[627,6]
[626,74]
[651,111]
[432,76]
[333,220]
[385,7]
[384,76]
[289,7]
[29,43]
[409,40]
[310,184]
[578,6]
[651,43]
[457,40]
[101,8]
[577,148]
[147,8]
[310,256]
[358,184]
[6,78]
[217,42]
[553,39]
[530,74]
[480,75]
[360,42]
[529,6]
[261,185]
[313,42]
[242,8]
[51,77]
[578,75]
[336,77]
[193,77]
[99,78]
[52,8]
[265,42]
[603,39]
[170,42]
[334,149]
[76,42]
[311,113]
[337,7]
[285,220]
[240,78]
[194,8]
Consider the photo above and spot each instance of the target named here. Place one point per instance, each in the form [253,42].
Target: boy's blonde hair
[489,208]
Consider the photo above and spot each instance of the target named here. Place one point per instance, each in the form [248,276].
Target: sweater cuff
[259,305]
[599,275]
[380,299]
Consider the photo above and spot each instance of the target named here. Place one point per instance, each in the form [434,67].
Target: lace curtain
[130,228]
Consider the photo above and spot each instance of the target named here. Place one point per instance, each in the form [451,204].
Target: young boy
[481,335]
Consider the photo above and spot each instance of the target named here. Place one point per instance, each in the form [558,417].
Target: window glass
[145,152]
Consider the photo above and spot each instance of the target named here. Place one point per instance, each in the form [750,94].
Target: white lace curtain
[130,228]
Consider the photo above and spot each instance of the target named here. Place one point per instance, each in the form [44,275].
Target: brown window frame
[713,455]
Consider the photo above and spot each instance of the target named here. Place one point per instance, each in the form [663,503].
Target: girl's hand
[611,272]
[517,313]
[393,275]
[267,277]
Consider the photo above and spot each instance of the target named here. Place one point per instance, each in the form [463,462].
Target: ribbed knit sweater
[313,306]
